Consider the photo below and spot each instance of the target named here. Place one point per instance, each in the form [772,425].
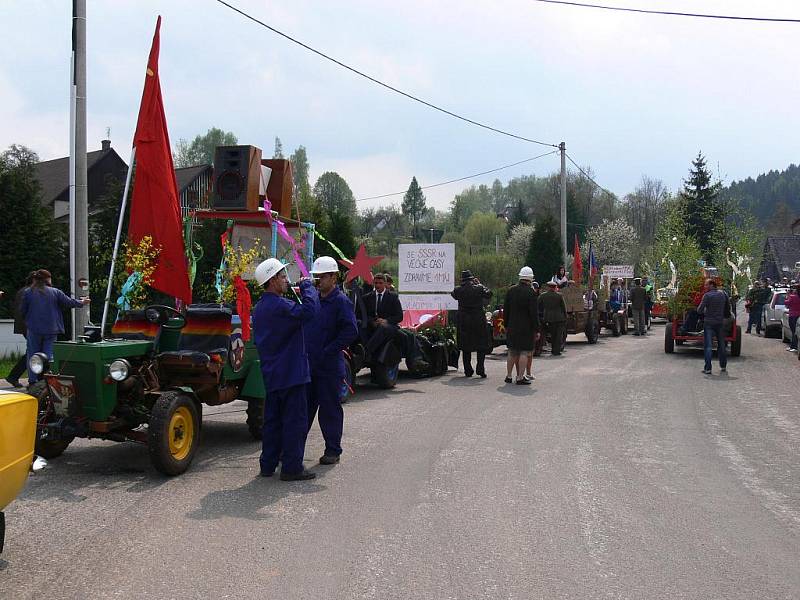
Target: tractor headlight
[39,363]
[119,369]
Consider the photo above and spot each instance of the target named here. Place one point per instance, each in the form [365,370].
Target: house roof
[782,251]
[186,175]
[53,175]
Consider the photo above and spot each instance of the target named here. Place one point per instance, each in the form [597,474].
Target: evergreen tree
[544,252]
[29,237]
[414,204]
[701,206]
[278,153]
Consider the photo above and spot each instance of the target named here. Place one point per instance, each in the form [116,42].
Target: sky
[629,94]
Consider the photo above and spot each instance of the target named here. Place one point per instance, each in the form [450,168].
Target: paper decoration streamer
[133,280]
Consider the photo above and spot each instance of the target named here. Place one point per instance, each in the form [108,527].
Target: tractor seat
[133,325]
[203,341]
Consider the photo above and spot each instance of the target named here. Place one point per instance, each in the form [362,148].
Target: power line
[585,174]
[427,187]
[381,83]
[669,13]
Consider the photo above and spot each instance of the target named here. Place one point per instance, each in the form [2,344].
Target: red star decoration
[361,265]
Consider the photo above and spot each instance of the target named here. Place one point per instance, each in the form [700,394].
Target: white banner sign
[432,302]
[625,271]
[426,267]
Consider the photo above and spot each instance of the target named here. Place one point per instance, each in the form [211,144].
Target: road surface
[621,473]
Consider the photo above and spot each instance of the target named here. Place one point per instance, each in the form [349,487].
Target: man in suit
[384,315]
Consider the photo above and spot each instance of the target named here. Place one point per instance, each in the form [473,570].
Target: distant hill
[774,197]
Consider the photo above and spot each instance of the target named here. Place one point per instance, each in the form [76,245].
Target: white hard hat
[267,270]
[324,264]
[526,273]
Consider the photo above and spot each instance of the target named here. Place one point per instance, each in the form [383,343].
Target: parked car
[773,311]
[786,331]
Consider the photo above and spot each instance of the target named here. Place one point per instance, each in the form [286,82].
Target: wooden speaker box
[237,171]
[281,183]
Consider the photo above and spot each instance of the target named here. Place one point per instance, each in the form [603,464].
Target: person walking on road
[41,309]
[757,297]
[471,322]
[332,331]
[638,296]
[716,307]
[521,316]
[536,336]
[20,329]
[554,313]
[792,304]
[278,325]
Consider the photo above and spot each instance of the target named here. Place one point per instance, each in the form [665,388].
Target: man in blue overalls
[278,331]
[332,330]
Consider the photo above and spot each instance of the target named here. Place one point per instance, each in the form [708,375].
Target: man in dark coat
[384,314]
[554,312]
[521,318]
[471,322]
[20,328]
[638,297]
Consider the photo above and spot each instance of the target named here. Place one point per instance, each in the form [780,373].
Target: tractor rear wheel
[255,417]
[592,331]
[736,345]
[669,341]
[44,447]
[173,433]
[385,377]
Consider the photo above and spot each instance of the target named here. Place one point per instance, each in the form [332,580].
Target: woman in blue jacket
[41,308]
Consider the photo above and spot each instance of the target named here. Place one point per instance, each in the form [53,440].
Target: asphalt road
[621,473]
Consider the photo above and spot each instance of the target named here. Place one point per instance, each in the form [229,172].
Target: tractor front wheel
[736,345]
[385,377]
[669,341]
[255,417]
[173,433]
[46,448]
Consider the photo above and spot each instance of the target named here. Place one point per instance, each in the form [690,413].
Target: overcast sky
[629,94]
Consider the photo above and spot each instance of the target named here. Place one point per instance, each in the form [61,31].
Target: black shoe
[468,374]
[508,380]
[481,375]
[267,473]
[748,331]
[523,382]
[327,459]
[301,476]
[14,382]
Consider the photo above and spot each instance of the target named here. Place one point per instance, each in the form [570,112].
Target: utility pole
[563,148]
[79,258]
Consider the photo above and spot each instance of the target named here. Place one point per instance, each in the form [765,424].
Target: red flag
[577,263]
[155,208]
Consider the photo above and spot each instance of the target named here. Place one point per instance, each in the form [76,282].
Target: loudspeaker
[279,188]
[237,170]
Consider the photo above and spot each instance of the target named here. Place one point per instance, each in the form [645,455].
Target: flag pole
[107,301]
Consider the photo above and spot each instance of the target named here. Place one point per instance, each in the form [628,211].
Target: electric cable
[427,187]
[670,13]
[381,83]
[585,174]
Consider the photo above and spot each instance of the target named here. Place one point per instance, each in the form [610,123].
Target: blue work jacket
[332,330]
[41,308]
[278,332]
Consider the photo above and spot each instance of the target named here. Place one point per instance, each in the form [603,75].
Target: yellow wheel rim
[181,433]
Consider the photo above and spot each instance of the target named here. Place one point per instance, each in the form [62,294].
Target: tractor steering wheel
[160,314]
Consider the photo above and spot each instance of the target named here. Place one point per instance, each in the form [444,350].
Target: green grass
[6,364]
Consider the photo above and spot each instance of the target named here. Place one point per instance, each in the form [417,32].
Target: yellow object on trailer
[18,414]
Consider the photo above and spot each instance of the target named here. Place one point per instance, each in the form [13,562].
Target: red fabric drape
[243,305]
[155,208]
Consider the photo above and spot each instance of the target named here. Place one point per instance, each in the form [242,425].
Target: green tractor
[147,382]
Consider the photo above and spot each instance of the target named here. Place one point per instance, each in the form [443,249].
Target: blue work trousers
[709,332]
[285,430]
[39,343]
[324,401]
[792,328]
